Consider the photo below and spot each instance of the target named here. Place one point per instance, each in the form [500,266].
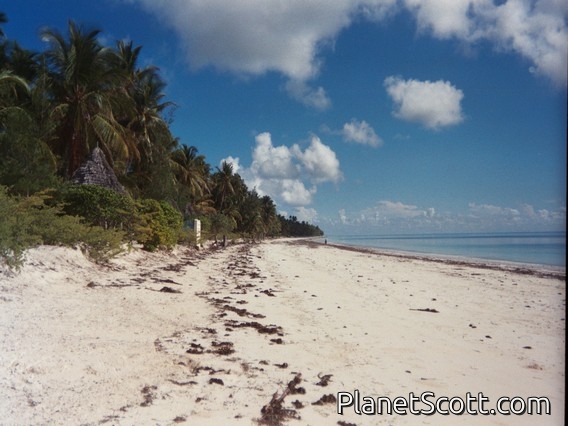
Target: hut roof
[97,171]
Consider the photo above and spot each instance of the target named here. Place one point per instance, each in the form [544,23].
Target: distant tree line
[290,227]
[58,105]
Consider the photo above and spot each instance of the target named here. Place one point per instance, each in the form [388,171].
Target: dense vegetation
[56,106]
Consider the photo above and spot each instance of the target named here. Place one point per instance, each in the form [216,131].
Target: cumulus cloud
[290,174]
[360,132]
[525,216]
[273,162]
[444,18]
[491,210]
[319,161]
[342,216]
[307,214]
[291,191]
[388,216]
[398,209]
[537,30]
[253,37]
[433,104]
[303,93]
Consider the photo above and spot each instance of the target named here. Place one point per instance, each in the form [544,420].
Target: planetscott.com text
[427,404]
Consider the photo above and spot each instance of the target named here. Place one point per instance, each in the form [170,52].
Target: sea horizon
[546,248]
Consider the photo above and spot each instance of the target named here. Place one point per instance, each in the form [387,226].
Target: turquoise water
[545,248]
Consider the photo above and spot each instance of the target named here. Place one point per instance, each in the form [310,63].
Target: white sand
[86,344]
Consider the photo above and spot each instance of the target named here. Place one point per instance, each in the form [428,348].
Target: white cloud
[544,214]
[397,209]
[293,192]
[537,29]
[290,175]
[361,132]
[342,216]
[389,216]
[320,162]
[528,210]
[306,214]
[377,10]
[525,216]
[433,104]
[313,98]
[255,36]
[444,18]
[481,210]
[272,162]
[430,212]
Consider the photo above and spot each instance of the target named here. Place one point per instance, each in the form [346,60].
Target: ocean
[542,248]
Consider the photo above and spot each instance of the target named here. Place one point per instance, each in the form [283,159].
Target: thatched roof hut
[97,171]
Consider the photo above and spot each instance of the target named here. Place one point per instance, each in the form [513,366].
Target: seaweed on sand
[263,329]
[273,413]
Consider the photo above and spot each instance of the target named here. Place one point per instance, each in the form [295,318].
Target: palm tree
[145,88]
[11,89]
[152,170]
[20,61]
[269,216]
[223,185]
[191,170]
[192,176]
[251,218]
[83,79]
[26,162]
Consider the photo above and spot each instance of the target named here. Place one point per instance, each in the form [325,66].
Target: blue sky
[362,116]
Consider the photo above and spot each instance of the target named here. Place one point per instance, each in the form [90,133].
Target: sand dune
[209,337]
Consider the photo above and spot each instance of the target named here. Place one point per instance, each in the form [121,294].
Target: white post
[197,229]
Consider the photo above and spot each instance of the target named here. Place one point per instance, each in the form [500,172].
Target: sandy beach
[211,337]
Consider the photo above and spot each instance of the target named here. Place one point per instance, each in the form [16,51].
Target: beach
[210,337]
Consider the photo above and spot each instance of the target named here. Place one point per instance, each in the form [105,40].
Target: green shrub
[100,206]
[153,223]
[94,218]
[159,224]
[173,217]
[102,244]
[29,221]
[15,237]
[55,228]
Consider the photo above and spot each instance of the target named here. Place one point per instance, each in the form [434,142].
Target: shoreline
[210,337]
[555,267]
[543,270]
